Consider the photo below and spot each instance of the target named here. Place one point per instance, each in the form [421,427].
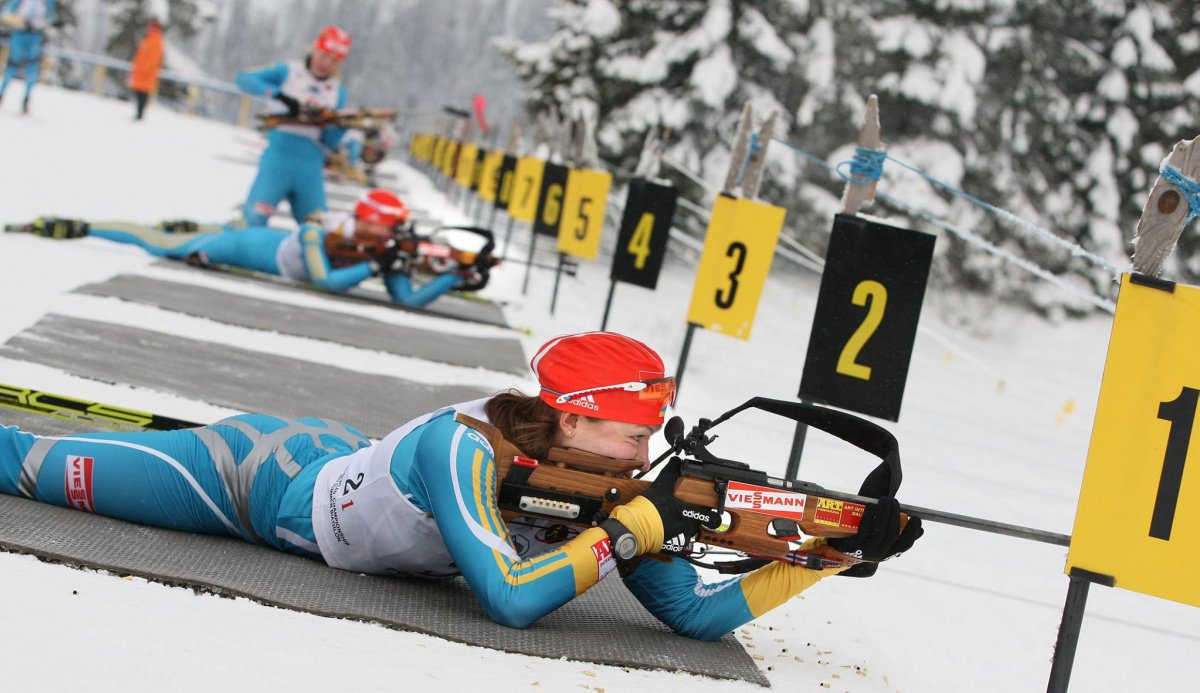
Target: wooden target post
[860,189]
[1167,208]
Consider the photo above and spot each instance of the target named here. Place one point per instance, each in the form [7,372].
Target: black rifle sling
[857,431]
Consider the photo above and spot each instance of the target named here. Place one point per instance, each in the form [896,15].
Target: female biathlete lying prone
[422,502]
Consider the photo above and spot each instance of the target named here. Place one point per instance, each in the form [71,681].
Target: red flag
[480,104]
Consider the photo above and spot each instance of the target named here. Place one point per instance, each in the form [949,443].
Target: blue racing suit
[25,44]
[420,502]
[292,166]
[298,255]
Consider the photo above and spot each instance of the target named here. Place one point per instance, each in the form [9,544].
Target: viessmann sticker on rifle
[763,499]
[742,496]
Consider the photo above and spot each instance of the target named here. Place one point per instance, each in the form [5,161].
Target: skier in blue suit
[424,501]
[27,19]
[336,253]
[292,165]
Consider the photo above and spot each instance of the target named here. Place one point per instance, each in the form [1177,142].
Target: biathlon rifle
[425,253]
[763,517]
[357,118]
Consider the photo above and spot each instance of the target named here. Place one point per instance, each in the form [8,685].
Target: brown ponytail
[527,422]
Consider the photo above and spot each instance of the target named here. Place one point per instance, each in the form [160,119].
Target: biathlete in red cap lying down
[422,502]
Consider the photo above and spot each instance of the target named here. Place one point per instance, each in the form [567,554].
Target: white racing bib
[310,92]
[364,523]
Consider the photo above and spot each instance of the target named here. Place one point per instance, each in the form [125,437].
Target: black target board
[642,239]
[866,317]
[504,181]
[477,170]
[550,200]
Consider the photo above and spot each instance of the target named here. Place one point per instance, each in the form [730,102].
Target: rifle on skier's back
[357,118]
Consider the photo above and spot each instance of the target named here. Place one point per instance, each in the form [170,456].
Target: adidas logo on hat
[605,374]
[587,402]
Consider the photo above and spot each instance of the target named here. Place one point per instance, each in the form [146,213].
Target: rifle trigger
[721,486]
[785,529]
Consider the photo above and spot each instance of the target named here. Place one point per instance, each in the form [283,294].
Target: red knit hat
[381,207]
[604,375]
[335,40]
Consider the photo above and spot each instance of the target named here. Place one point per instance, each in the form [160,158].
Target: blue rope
[866,165]
[755,147]
[1189,188]
[1072,248]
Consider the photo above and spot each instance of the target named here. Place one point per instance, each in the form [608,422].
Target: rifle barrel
[722,470]
[969,522]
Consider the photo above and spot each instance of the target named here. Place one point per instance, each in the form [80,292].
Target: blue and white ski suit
[25,44]
[421,502]
[292,165]
[299,255]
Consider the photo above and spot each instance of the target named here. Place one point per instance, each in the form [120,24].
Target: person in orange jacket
[143,77]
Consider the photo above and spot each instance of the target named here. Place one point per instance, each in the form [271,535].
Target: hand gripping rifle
[763,516]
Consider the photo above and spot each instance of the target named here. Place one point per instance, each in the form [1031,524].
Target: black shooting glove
[293,106]
[879,537]
[878,531]
[681,521]
[390,261]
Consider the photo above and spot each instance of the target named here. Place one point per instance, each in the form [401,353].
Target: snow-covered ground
[995,424]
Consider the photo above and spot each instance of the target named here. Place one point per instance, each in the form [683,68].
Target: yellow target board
[1138,518]
[439,151]
[490,178]
[738,248]
[527,182]
[583,213]
[450,157]
[421,146]
[466,164]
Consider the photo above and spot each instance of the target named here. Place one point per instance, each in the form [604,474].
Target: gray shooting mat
[451,305]
[606,625]
[242,379]
[498,354]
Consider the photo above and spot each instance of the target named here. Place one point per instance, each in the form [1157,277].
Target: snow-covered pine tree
[1073,105]
[683,66]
